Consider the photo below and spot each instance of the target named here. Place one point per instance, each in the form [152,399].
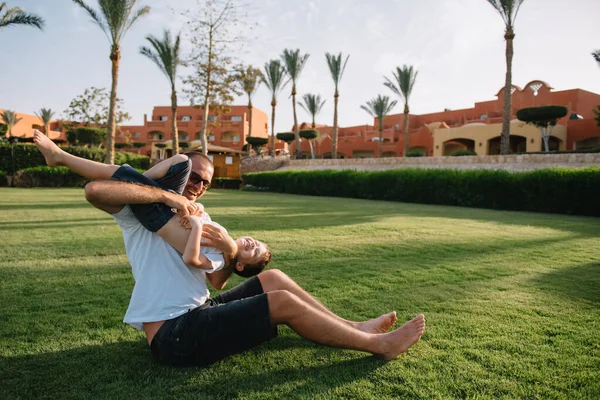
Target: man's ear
[239,266]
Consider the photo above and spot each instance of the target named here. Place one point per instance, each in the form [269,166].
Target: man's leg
[55,156]
[274,279]
[319,326]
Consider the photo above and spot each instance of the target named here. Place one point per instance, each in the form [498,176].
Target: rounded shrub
[460,153]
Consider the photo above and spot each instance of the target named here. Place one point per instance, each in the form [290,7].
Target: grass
[512,301]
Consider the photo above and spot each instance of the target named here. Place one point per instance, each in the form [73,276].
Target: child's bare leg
[161,169]
[55,156]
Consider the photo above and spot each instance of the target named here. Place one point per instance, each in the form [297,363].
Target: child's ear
[239,266]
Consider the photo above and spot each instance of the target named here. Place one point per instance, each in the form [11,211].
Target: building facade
[23,130]
[475,129]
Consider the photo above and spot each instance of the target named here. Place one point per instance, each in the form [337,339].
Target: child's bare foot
[48,148]
[398,341]
[380,324]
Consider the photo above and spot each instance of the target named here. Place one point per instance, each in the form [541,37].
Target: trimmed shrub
[414,153]
[184,145]
[558,190]
[121,145]
[287,137]
[227,183]
[460,153]
[44,176]
[308,134]
[28,156]
[256,142]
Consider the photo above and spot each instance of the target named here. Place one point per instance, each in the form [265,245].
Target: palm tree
[115,20]
[249,79]
[16,16]
[596,55]
[294,63]
[165,54]
[312,104]
[402,85]
[274,78]
[46,115]
[508,9]
[10,119]
[379,108]
[337,70]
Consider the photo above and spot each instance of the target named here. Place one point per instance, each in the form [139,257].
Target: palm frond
[164,53]
[95,16]
[45,114]
[336,67]
[403,82]
[508,9]
[596,55]
[16,16]
[379,108]
[274,77]
[312,104]
[10,118]
[294,62]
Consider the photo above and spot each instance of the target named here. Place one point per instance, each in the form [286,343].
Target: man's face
[200,178]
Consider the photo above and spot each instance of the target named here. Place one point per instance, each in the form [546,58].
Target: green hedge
[227,183]
[460,153]
[414,153]
[28,156]
[3,179]
[559,190]
[44,176]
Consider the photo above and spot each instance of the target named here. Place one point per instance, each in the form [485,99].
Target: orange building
[476,129]
[23,130]
[228,129]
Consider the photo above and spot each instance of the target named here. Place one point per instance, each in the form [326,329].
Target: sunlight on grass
[511,299]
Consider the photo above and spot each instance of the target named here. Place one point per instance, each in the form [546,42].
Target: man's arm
[112,196]
[219,279]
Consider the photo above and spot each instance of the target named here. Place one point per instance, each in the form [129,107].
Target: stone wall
[523,162]
[256,164]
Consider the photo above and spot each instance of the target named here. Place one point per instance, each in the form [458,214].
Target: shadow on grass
[580,282]
[45,206]
[126,369]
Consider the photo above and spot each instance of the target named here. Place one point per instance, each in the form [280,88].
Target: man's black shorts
[230,323]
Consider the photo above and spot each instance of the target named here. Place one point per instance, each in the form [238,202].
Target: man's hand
[218,238]
[190,221]
[183,206]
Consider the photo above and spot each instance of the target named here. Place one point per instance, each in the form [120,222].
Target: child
[183,233]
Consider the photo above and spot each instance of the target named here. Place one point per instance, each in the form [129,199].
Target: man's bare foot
[398,341]
[380,324]
[48,148]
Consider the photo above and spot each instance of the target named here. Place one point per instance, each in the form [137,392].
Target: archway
[453,145]
[588,143]
[517,144]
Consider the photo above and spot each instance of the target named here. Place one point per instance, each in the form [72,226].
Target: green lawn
[512,301]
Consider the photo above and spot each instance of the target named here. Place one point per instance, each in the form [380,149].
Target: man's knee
[272,275]
[282,305]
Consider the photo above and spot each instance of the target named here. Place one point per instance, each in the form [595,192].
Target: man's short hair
[198,154]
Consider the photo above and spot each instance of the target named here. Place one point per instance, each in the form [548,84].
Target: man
[183,326]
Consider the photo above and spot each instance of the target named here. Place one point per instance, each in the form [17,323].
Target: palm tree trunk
[115,56]
[47,128]
[335,124]
[249,117]
[204,127]
[505,138]
[273,105]
[174,132]
[406,144]
[380,142]
[296,130]
[312,141]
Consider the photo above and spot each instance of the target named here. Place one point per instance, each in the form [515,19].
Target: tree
[16,16]
[212,86]
[508,9]
[165,54]
[596,55]
[46,115]
[92,108]
[139,145]
[274,78]
[9,118]
[402,85]
[545,118]
[115,19]
[312,104]
[336,68]
[257,143]
[294,64]
[597,112]
[379,108]
[287,137]
[310,135]
[249,78]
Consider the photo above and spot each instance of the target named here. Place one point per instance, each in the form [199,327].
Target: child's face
[251,251]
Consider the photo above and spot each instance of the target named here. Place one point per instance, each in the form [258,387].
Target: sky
[456,45]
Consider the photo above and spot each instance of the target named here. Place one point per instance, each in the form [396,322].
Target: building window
[164,118]
[228,160]
[211,137]
[184,136]
[397,127]
[483,116]
[212,117]
[157,136]
[236,118]
[186,118]
[211,158]
[137,134]
[235,138]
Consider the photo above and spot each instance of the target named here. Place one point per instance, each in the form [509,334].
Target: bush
[560,190]
[414,153]
[287,137]
[308,134]
[28,156]
[463,153]
[227,183]
[3,179]
[121,145]
[44,176]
